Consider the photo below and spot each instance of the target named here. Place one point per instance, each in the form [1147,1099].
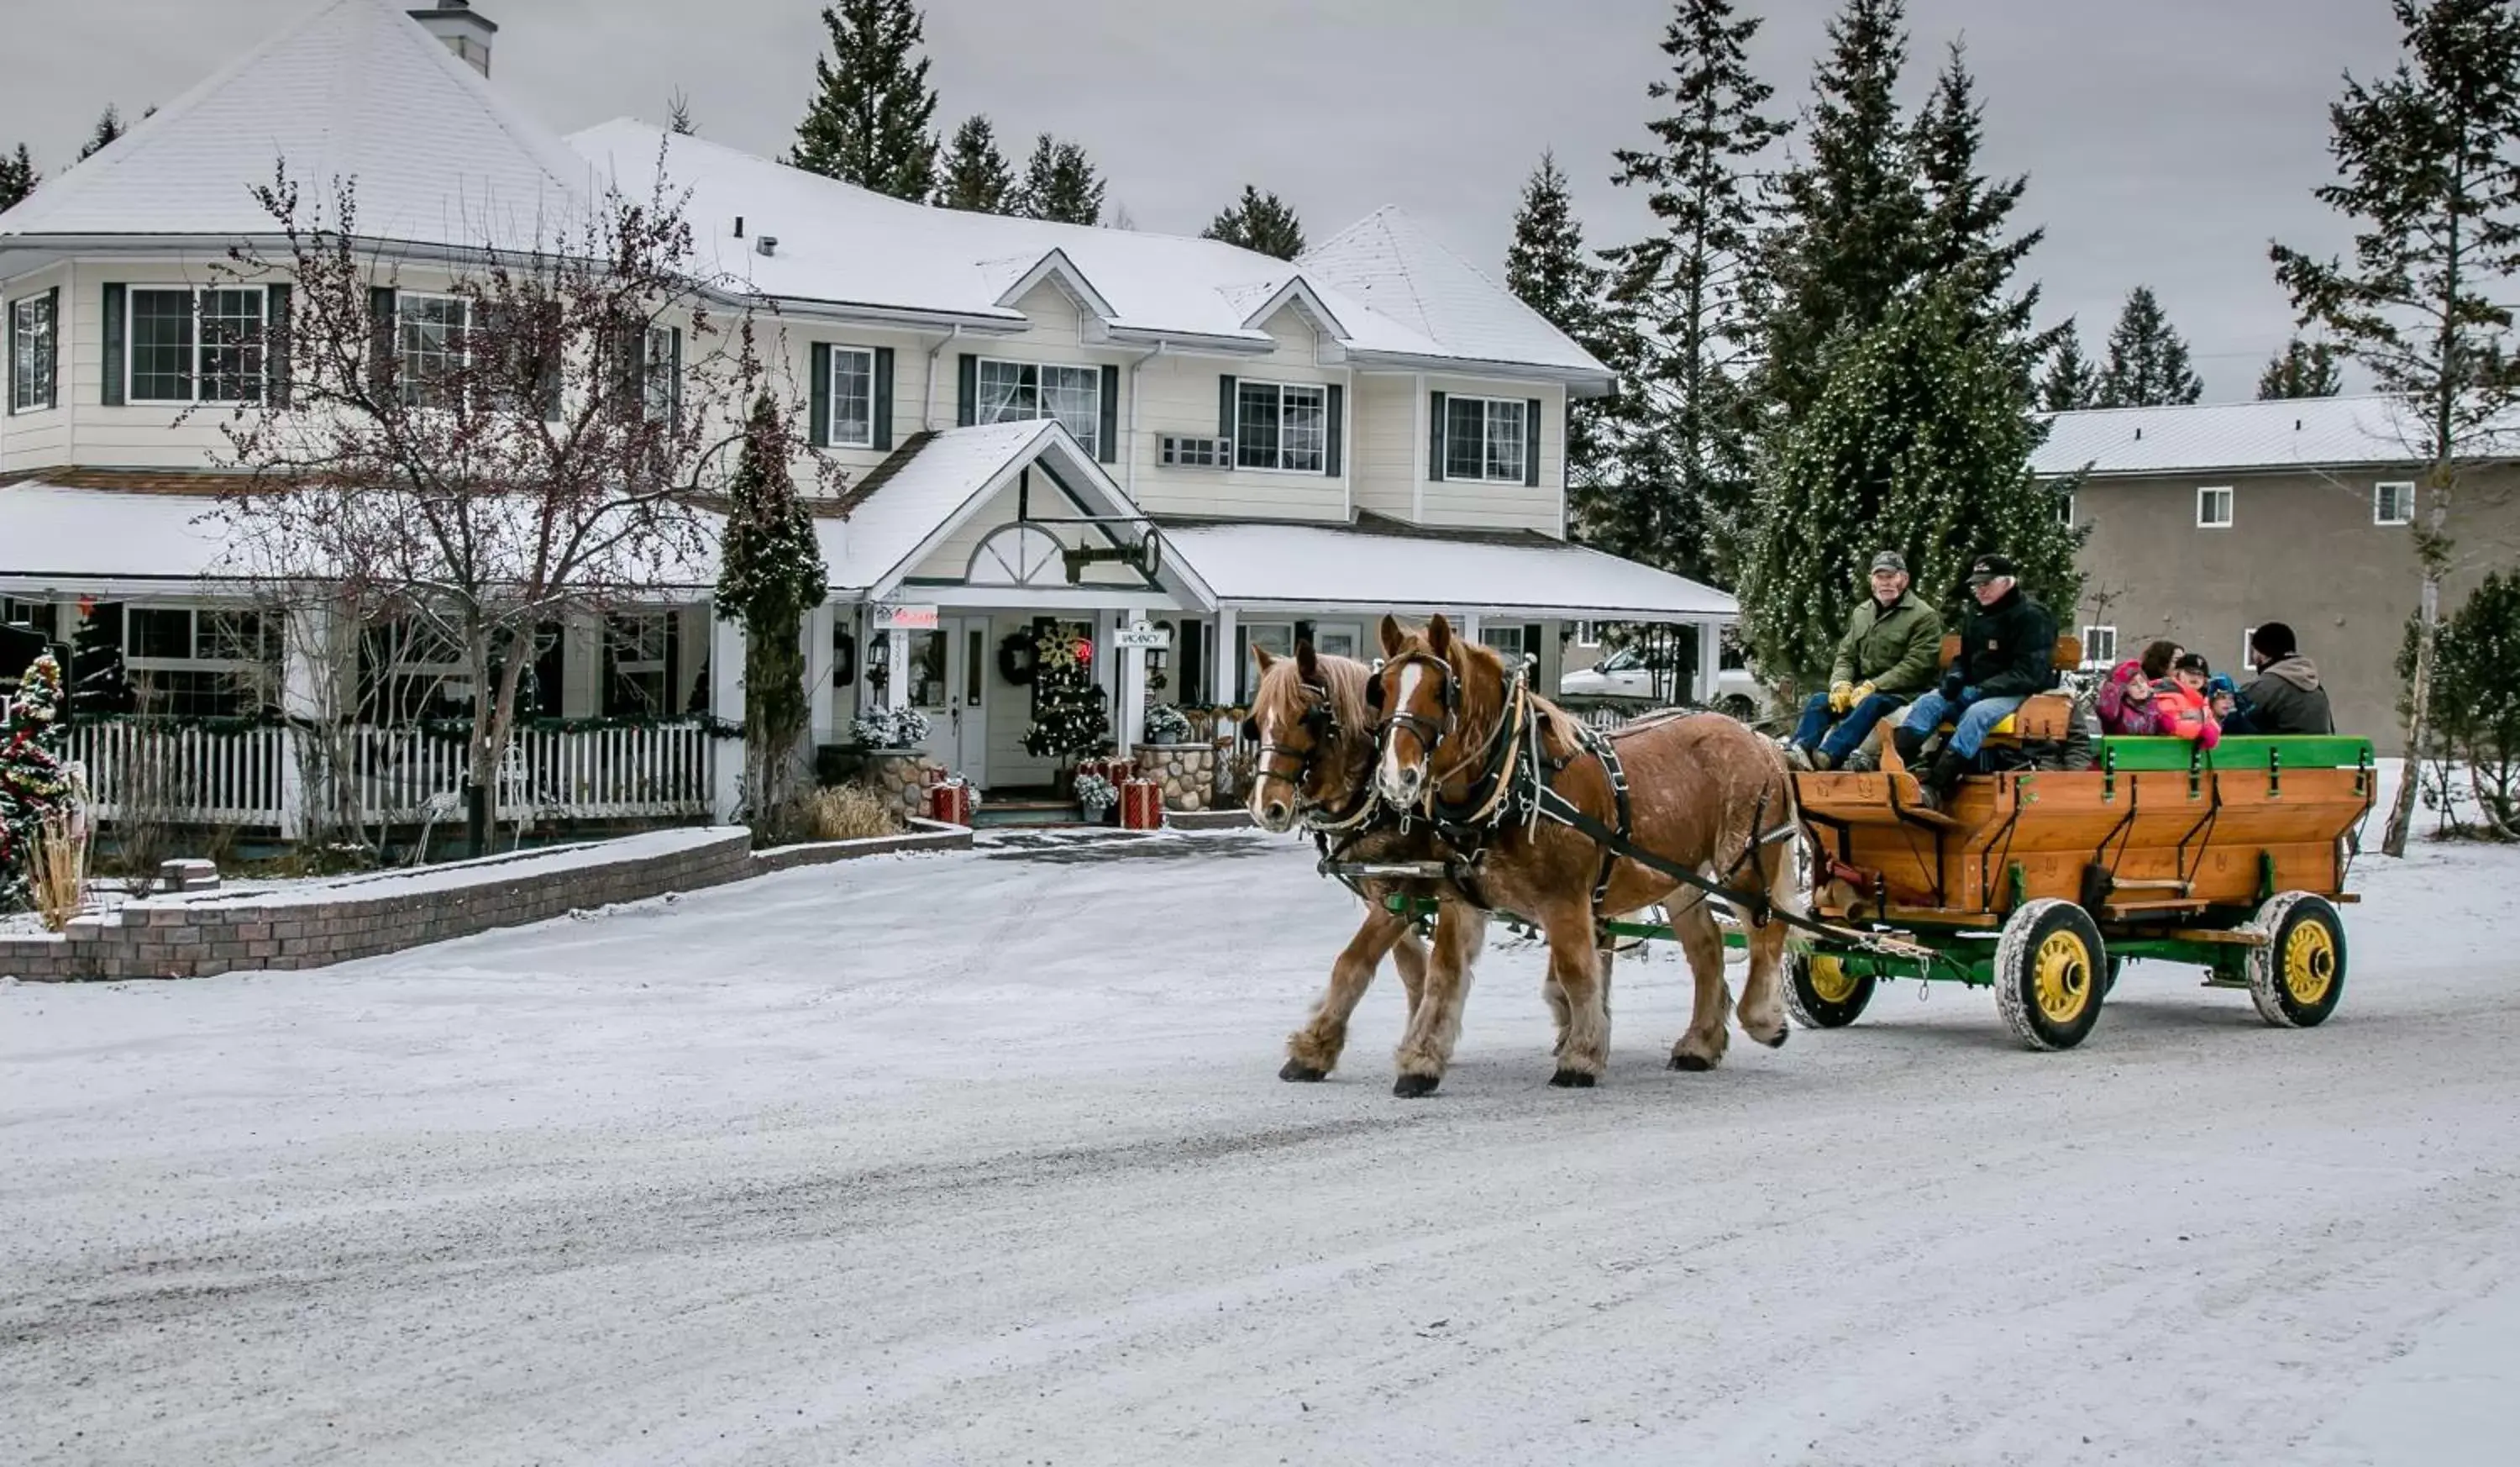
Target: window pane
[233,638]
[232,346]
[1074,397]
[662,390]
[432,345]
[160,632]
[1010,393]
[1505,441]
[1306,411]
[853,399]
[1465,437]
[162,345]
[30,372]
[1255,431]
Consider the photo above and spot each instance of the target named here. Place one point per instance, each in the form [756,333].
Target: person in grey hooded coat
[2286,697]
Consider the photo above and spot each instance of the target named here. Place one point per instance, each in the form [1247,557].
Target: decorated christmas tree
[33,781]
[99,684]
[1070,716]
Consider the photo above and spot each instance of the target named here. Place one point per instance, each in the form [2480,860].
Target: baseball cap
[1990,568]
[1889,560]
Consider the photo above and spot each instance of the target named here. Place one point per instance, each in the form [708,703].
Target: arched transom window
[1018,555]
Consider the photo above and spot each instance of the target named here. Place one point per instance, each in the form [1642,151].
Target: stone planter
[1185,771]
[901,777]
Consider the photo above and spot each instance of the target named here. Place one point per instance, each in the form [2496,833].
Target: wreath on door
[1017,661]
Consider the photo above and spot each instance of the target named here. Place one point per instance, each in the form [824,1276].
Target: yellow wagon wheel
[2050,974]
[2298,977]
[1820,992]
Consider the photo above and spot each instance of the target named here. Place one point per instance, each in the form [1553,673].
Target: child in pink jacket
[2126,699]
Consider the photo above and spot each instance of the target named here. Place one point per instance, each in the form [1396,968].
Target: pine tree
[678,116]
[1069,719]
[770,577]
[2428,165]
[109,127]
[2303,369]
[17,177]
[1918,443]
[870,119]
[1963,239]
[1261,222]
[1547,267]
[2072,383]
[1059,185]
[975,176]
[1854,213]
[1680,324]
[33,781]
[100,683]
[2147,363]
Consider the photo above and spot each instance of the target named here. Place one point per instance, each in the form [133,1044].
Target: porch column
[1226,670]
[896,658]
[1132,696]
[1710,660]
[309,692]
[726,704]
[820,623]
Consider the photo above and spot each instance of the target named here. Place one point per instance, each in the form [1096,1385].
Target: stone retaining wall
[900,778]
[1186,772]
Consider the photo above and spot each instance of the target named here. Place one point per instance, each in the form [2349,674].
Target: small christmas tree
[34,782]
[1070,716]
[99,684]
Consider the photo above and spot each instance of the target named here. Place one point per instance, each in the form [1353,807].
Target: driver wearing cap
[2007,652]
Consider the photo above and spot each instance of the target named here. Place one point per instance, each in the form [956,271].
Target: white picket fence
[254,777]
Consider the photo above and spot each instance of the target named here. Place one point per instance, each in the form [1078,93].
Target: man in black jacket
[2285,698]
[2007,652]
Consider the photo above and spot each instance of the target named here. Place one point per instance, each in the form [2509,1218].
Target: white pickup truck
[1626,673]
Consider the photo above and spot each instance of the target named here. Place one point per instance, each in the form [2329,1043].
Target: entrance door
[949,683]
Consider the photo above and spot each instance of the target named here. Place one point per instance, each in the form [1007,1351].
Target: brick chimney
[465,33]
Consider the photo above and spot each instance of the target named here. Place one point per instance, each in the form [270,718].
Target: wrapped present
[1142,805]
[950,801]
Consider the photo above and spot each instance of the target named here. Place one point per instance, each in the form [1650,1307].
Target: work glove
[1863,690]
[1950,689]
[1841,697]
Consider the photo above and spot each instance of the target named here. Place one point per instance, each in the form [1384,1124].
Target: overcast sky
[2166,140]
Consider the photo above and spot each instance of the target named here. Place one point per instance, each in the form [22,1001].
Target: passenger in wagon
[2007,652]
[2181,706]
[1886,658]
[2126,699]
[2286,698]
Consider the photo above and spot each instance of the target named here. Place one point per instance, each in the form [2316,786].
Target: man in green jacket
[1886,657]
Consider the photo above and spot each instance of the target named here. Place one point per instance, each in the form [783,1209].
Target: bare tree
[526,440]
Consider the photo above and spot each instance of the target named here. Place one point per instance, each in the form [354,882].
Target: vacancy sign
[894,615]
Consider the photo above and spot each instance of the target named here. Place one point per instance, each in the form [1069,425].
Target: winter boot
[1909,744]
[1943,778]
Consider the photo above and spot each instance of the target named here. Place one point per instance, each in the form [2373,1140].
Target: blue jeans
[1929,712]
[1852,729]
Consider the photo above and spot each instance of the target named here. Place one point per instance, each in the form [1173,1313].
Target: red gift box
[1142,805]
[950,802]
[1117,771]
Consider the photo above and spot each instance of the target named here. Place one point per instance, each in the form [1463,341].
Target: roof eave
[1578,380]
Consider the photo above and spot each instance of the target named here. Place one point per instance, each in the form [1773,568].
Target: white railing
[252,776]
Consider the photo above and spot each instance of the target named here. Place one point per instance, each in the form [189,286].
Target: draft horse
[1499,771]
[1314,731]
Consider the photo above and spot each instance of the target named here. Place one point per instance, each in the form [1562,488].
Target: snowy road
[976,1158]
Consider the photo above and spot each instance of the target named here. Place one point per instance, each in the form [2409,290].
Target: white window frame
[2230,506]
[1521,411]
[832,401]
[983,411]
[255,676]
[2093,657]
[660,384]
[2066,509]
[197,374]
[2379,493]
[2248,643]
[458,352]
[1354,632]
[1186,450]
[631,631]
[1284,463]
[34,364]
[1247,673]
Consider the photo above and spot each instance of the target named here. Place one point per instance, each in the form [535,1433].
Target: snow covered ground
[981,1158]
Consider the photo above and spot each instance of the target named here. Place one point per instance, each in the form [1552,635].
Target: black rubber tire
[2080,980]
[1813,1010]
[1738,707]
[2305,946]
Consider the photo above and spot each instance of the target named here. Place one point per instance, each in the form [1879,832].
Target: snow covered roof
[1390,263]
[2286,434]
[74,538]
[354,90]
[1257,565]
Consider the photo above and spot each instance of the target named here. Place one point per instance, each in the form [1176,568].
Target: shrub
[849,812]
[1167,724]
[890,727]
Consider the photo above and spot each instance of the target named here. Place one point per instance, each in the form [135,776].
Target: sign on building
[898,615]
[1142,634]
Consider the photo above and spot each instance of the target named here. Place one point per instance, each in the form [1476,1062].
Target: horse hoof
[1778,1042]
[1694,1064]
[1299,1072]
[1571,1079]
[1413,1087]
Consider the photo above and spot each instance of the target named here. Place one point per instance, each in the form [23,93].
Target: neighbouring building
[2207,520]
[1377,426]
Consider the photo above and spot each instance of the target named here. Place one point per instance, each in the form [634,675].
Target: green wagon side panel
[2251,752]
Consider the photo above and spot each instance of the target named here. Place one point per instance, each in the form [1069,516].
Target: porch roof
[1382,564]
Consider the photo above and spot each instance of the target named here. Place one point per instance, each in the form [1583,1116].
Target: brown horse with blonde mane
[1315,729]
[1470,750]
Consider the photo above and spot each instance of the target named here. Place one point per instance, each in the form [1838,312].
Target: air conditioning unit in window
[1178,451]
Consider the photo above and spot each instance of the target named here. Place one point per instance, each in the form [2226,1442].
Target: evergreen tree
[34,782]
[1918,443]
[108,127]
[2147,363]
[17,177]
[1680,327]
[1059,185]
[2428,165]
[1853,213]
[678,116]
[1547,267]
[975,176]
[1261,222]
[100,683]
[2072,383]
[1069,719]
[872,111]
[770,577]
[2303,369]
[1963,239]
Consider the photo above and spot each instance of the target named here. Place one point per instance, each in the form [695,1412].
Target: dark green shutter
[1109,449]
[1227,395]
[53,348]
[550,336]
[819,413]
[884,399]
[11,308]
[1435,431]
[1531,640]
[1335,432]
[674,387]
[382,367]
[275,344]
[1531,442]
[967,391]
[113,324]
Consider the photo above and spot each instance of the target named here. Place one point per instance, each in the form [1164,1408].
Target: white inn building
[1377,426]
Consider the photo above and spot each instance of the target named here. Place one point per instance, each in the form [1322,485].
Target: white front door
[949,683]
